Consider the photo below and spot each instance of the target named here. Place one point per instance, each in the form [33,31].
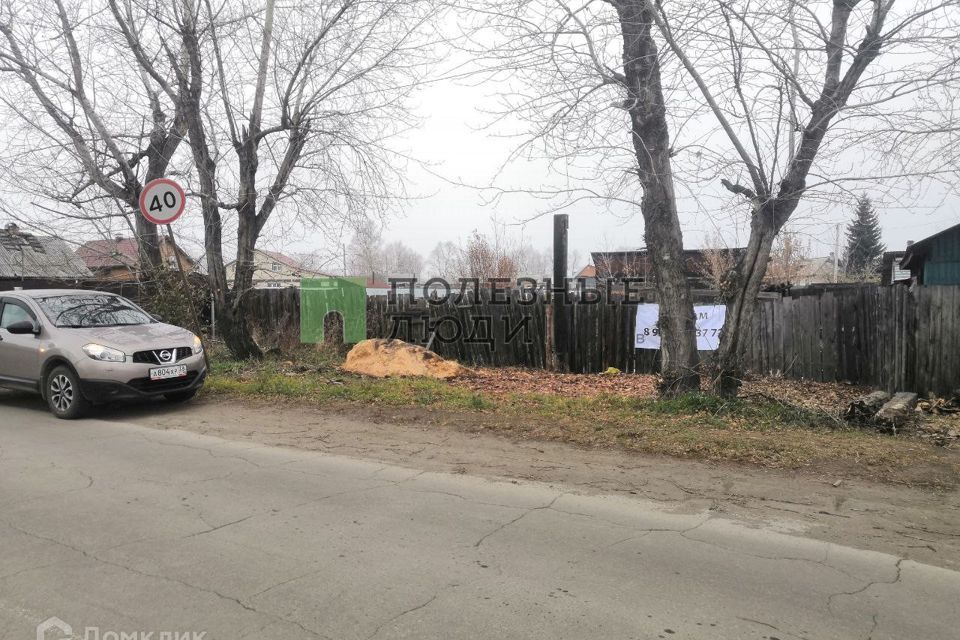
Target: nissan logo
[165,356]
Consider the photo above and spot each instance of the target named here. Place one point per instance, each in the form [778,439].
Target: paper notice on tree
[710,319]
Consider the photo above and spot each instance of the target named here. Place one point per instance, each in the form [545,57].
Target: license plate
[165,373]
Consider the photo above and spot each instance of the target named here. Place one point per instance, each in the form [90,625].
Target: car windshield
[92,310]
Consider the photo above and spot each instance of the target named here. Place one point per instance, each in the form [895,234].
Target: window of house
[275,267]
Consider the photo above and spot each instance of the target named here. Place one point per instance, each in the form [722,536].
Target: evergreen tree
[864,248]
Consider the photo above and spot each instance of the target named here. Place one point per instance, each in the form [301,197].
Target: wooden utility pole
[557,329]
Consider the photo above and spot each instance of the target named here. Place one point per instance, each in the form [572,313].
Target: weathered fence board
[889,337]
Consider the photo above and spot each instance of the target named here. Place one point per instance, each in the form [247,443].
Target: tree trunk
[148,241]
[769,216]
[231,319]
[662,235]
[233,327]
[740,297]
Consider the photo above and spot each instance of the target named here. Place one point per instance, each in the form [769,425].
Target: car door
[19,353]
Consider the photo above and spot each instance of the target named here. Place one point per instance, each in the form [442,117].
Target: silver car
[79,348]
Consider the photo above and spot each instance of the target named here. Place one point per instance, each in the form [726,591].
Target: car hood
[137,337]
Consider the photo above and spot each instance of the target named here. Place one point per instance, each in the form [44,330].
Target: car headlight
[105,354]
[197,345]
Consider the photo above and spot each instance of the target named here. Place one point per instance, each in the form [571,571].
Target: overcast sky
[456,145]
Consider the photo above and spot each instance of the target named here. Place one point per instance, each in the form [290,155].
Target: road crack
[517,519]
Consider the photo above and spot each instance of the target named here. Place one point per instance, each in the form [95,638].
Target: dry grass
[778,423]
[825,397]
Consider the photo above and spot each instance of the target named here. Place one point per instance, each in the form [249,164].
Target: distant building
[275,270]
[119,258]
[24,255]
[588,275]
[891,267]
[935,259]
[813,271]
[637,264]
[380,288]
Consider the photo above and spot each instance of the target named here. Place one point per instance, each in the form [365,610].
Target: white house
[274,270]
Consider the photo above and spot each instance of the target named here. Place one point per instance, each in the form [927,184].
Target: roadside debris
[941,406]
[941,432]
[388,358]
[864,408]
[942,420]
[935,419]
[899,409]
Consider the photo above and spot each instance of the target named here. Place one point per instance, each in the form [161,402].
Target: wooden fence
[887,337]
[601,334]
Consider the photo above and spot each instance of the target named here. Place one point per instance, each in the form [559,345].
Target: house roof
[23,255]
[921,247]
[612,262]
[115,252]
[642,251]
[284,260]
[287,261]
[588,271]
[812,268]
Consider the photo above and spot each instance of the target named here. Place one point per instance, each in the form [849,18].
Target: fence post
[558,317]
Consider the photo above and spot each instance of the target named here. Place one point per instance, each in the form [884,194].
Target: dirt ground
[829,397]
[919,524]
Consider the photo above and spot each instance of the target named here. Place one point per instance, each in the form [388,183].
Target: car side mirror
[24,327]
[156,317]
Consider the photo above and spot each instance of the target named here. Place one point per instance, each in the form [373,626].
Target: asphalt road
[123,529]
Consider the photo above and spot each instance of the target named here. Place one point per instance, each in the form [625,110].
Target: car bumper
[99,391]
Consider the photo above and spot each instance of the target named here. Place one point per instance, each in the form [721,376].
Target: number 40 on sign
[162,201]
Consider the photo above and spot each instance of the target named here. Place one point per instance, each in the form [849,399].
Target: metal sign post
[162,201]
[186,288]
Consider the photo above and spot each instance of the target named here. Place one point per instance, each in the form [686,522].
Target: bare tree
[443,260]
[588,78]
[302,123]
[401,259]
[793,88]
[337,90]
[768,99]
[369,256]
[717,263]
[488,255]
[486,258]
[89,129]
[574,262]
[789,258]
[364,255]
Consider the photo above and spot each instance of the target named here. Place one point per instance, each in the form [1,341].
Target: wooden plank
[828,326]
[950,335]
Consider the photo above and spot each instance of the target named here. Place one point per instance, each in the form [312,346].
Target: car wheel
[180,396]
[63,394]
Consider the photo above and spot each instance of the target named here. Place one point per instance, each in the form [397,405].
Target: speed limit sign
[162,201]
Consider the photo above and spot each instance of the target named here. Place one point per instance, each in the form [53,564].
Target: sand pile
[385,358]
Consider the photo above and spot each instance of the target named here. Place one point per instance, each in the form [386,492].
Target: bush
[166,296]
